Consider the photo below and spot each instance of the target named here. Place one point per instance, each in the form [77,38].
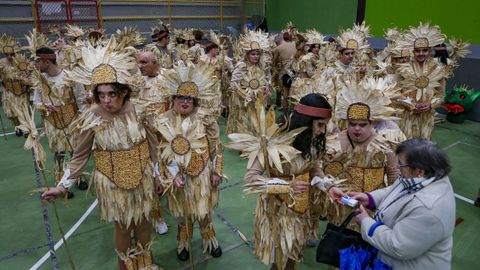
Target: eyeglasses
[184,98]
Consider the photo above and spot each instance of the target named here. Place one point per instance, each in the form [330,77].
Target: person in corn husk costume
[14,74]
[216,57]
[358,155]
[161,45]
[191,155]
[282,161]
[422,81]
[60,101]
[157,102]
[124,150]
[251,78]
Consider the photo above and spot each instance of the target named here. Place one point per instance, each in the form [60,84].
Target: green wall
[327,16]
[460,18]
[456,18]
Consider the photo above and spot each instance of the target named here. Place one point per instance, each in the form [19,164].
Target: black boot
[216,252]
[82,185]
[477,202]
[70,195]
[18,132]
[183,255]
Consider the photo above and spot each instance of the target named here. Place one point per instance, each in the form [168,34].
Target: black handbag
[336,238]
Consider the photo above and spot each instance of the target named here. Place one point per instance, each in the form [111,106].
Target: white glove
[321,183]
[66,182]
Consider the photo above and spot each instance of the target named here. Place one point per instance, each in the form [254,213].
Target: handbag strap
[347,220]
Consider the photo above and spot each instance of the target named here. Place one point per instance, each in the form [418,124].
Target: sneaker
[216,252]
[183,255]
[161,227]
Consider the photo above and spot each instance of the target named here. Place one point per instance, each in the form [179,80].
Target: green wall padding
[326,16]
[456,18]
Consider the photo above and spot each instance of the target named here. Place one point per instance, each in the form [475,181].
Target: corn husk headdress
[74,31]
[423,36]
[314,37]
[457,49]
[187,79]
[318,84]
[128,37]
[362,29]
[102,65]
[36,40]
[368,99]
[392,34]
[161,27]
[9,44]
[254,40]
[350,39]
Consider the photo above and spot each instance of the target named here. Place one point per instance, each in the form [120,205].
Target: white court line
[460,197]
[6,134]
[472,145]
[67,235]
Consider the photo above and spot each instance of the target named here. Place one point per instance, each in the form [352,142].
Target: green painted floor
[23,239]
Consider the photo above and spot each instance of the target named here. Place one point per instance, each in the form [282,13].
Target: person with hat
[60,101]
[14,75]
[191,159]
[358,155]
[161,46]
[251,78]
[422,81]
[281,176]
[124,150]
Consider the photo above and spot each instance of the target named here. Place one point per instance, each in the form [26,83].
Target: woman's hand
[178,181]
[52,193]
[336,194]
[299,186]
[362,213]
[215,179]
[361,197]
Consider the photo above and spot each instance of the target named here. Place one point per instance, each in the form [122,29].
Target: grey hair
[278,38]
[425,155]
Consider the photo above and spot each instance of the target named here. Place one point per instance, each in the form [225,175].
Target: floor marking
[22,252]
[67,235]
[208,257]
[451,145]
[472,145]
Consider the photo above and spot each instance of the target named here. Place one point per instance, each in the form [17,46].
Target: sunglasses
[184,98]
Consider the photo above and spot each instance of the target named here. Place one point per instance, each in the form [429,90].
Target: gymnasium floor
[23,240]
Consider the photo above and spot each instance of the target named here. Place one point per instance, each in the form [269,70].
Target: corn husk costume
[66,96]
[222,65]
[128,37]
[123,148]
[15,79]
[280,215]
[249,81]
[365,166]
[421,83]
[190,149]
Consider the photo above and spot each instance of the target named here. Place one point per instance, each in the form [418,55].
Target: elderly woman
[415,217]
